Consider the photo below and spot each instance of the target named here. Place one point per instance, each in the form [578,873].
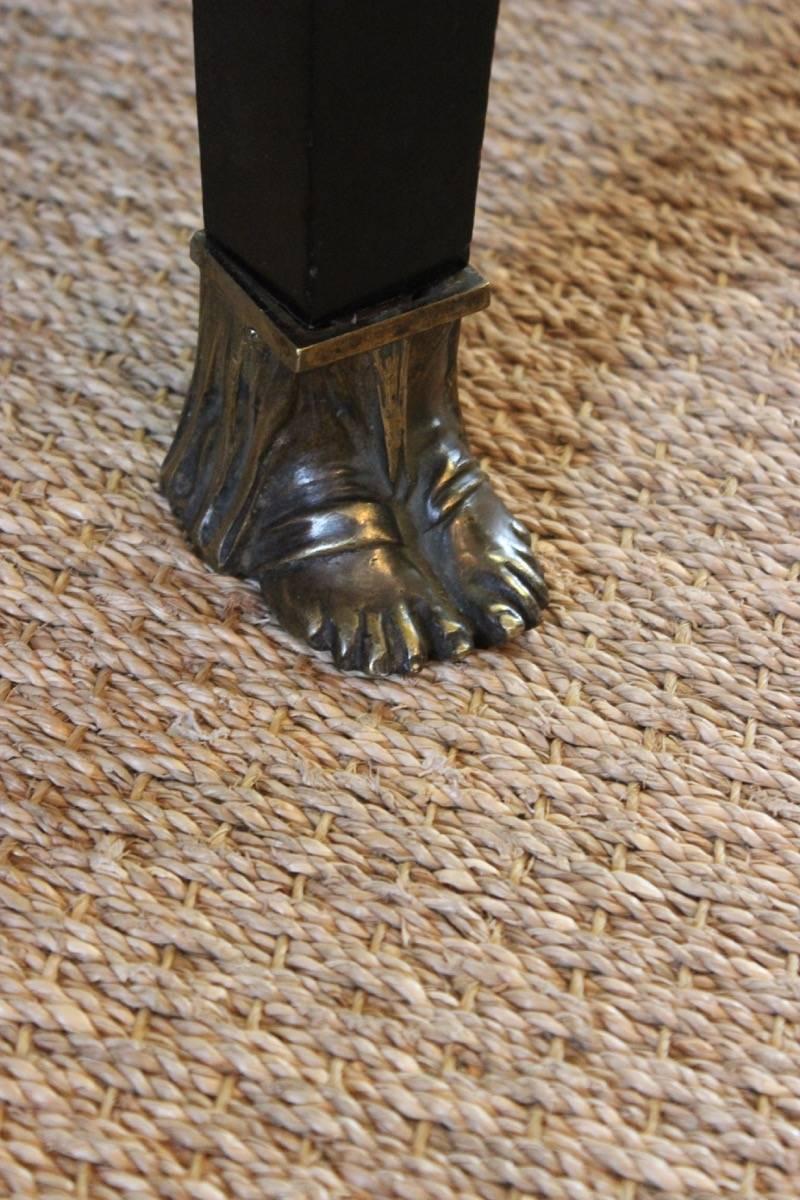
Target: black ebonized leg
[320,449]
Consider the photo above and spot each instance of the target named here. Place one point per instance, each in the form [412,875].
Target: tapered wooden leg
[321,450]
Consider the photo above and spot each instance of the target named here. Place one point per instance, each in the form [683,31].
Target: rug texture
[525,927]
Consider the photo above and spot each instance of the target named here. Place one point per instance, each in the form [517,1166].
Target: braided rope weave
[527,927]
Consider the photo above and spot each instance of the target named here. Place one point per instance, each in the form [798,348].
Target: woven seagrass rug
[526,927]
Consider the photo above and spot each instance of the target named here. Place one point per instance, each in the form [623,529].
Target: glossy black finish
[340,141]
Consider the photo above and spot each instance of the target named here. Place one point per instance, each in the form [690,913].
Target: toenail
[511,621]
[461,648]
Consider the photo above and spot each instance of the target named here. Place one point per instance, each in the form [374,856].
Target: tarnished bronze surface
[347,489]
[302,348]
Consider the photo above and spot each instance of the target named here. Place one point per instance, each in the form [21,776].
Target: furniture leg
[320,449]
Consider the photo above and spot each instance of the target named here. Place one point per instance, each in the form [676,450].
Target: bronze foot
[373,608]
[331,468]
[480,553]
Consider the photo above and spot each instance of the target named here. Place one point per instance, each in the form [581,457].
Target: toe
[408,649]
[499,623]
[528,570]
[321,636]
[347,642]
[375,658]
[302,616]
[450,637]
[520,589]
[524,563]
[318,628]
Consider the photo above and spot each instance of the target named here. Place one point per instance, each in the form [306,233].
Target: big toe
[516,583]
[504,599]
